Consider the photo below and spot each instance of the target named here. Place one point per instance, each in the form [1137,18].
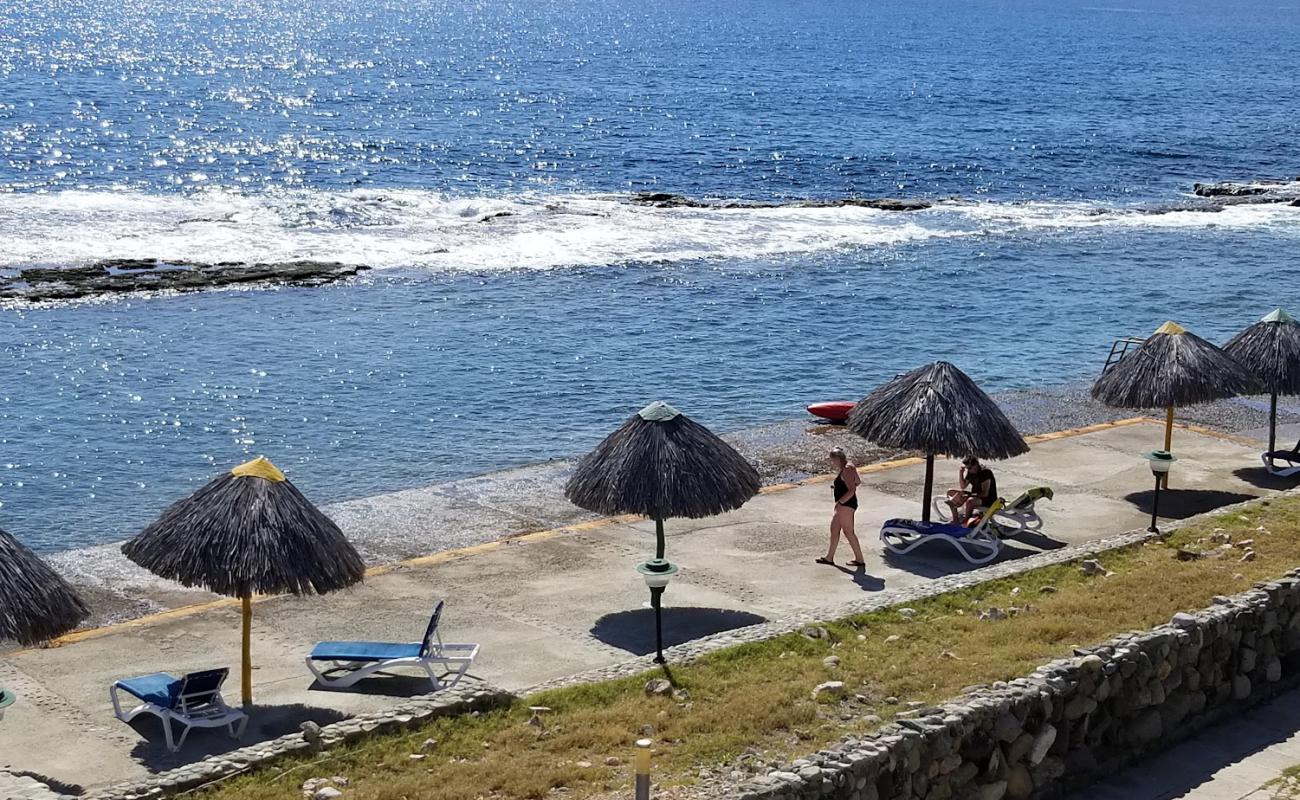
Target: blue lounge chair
[341,664]
[193,701]
[978,545]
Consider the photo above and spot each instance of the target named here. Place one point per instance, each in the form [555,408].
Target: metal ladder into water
[1118,349]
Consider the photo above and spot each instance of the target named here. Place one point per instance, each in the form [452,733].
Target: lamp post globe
[1160,461]
[657,573]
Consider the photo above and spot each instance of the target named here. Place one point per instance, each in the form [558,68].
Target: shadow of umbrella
[1184,503]
[633,630]
[265,722]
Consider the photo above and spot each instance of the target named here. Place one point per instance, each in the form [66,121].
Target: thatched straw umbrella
[250,531]
[662,464]
[36,604]
[938,410]
[1270,350]
[1172,368]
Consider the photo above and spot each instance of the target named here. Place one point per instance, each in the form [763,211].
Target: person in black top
[977,487]
[846,502]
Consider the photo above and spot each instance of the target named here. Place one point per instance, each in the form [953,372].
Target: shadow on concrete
[387,684]
[264,722]
[57,786]
[634,631]
[1182,768]
[868,583]
[1183,503]
[1036,539]
[936,558]
[1258,476]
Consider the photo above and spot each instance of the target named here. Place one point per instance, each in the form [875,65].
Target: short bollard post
[642,769]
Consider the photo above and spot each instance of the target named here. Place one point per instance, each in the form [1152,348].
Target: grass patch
[756,699]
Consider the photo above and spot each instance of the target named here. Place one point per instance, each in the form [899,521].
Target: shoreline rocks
[1234,193]
[670,200]
[121,276]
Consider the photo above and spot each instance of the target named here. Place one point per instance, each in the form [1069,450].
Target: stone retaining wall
[470,696]
[1072,719]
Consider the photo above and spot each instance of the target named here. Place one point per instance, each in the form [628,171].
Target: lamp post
[657,573]
[1160,461]
[6,699]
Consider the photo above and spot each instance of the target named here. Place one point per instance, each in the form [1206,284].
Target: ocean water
[480,158]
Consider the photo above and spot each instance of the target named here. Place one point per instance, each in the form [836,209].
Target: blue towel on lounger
[158,688]
[363,651]
[929,528]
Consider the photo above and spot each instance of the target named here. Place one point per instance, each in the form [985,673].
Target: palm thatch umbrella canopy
[36,604]
[938,410]
[1172,368]
[1270,350]
[662,464]
[249,531]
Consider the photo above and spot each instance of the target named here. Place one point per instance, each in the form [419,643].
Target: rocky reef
[668,200]
[118,276]
[1233,193]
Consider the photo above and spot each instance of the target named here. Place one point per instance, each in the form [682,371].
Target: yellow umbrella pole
[1169,439]
[247,673]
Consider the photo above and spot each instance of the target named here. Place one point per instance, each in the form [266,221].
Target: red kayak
[835,410]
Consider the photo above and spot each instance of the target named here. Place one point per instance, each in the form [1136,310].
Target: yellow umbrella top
[260,467]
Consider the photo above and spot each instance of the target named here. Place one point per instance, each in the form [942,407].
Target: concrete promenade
[551,604]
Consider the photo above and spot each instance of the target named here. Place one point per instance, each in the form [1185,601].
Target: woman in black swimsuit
[846,502]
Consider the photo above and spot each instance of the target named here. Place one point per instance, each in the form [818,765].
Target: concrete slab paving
[558,602]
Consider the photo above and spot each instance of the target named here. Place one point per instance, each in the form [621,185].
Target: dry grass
[759,695]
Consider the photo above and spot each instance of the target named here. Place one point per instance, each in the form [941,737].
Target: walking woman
[846,502]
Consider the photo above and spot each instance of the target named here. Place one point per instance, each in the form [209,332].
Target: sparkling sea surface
[480,158]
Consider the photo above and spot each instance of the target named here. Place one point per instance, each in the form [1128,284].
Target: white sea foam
[410,228]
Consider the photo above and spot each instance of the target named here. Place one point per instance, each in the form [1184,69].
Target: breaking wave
[412,228]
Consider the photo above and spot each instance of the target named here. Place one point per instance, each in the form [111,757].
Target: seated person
[977,487]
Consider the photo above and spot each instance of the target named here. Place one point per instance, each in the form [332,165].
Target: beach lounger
[1019,515]
[192,701]
[1016,516]
[341,664]
[978,545]
[1282,463]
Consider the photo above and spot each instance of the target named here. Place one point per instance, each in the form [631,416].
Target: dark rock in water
[667,200]
[1228,189]
[1295,203]
[129,263]
[1172,207]
[889,204]
[39,275]
[1253,192]
[117,276]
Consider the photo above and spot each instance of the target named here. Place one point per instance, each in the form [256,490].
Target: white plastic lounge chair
[1019,515]
[978,545]
[1289,458]
[341,664]
[193,701]
[1016,516]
